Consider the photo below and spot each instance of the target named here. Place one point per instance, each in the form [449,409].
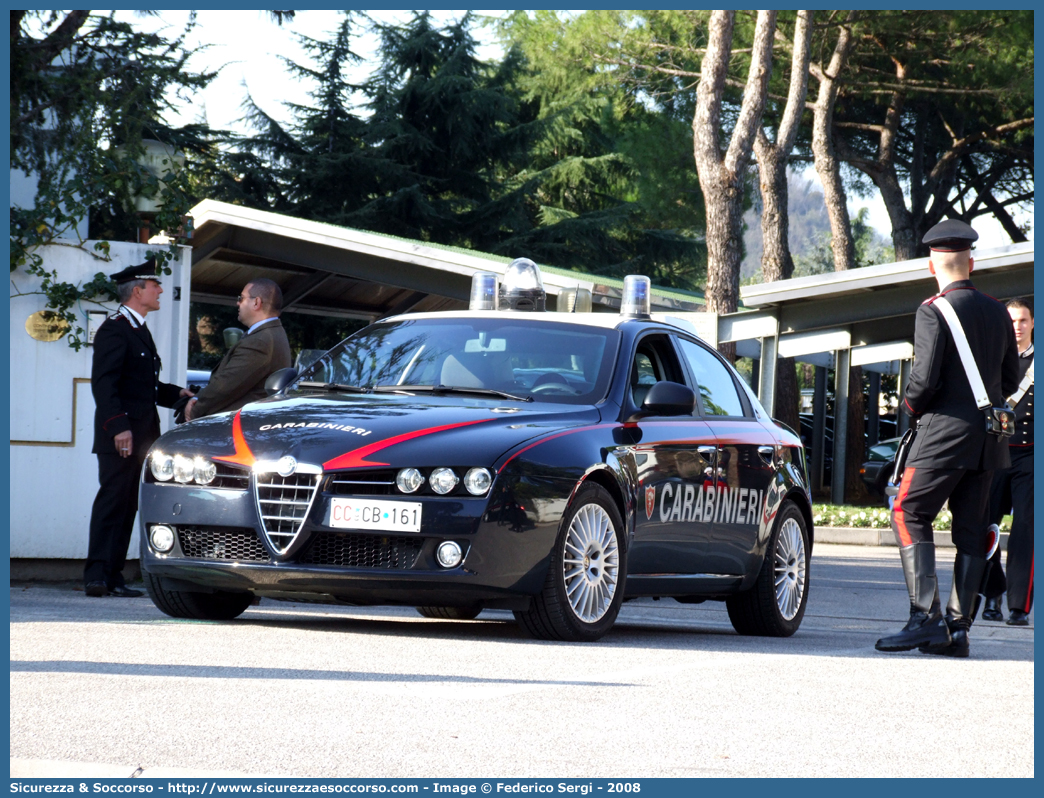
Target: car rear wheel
[219,606]
[776,604]
[585,581]
[451,613]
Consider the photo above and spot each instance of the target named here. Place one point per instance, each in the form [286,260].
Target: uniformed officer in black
[953,456]
[126,387]
[1013,489]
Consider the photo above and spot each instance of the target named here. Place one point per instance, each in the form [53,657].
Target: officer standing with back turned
[954,455]
[125,383]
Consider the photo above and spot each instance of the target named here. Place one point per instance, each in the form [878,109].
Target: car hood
[339,431]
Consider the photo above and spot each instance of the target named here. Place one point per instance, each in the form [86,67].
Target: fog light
[443,480]
[449,554]
[408,480]
[477,481]
[203,471]
[184,468]
[162,538]
[162,466]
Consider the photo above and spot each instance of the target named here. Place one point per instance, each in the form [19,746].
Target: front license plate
[375,514]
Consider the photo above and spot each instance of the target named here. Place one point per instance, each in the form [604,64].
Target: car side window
[718,394]
[654,361]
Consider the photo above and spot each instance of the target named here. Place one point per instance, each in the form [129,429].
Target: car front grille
[221,543]
[362,483]
[283,503]
[363,551]
[230,477]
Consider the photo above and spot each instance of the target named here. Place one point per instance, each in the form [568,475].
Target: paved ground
[111,685]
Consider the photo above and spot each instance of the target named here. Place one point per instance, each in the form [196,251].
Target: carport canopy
[328,270]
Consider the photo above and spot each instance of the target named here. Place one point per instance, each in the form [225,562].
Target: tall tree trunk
[776,260]
[721,176]
[828,167]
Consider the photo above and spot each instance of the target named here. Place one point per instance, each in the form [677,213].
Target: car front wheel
[776,604]
[585,581]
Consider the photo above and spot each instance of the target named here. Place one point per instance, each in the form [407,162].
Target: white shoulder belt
[982,399]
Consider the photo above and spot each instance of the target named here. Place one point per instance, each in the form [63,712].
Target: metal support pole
[873,412]
[818,428]
[767,378]
[755,375]
[903,419]
[842,362]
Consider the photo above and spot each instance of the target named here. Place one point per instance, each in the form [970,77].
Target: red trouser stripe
[900,522]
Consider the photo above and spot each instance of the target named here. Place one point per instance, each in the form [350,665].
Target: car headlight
[162,466]
[443,480]
[203,470]
[184,468]
[408,480]
[477,481]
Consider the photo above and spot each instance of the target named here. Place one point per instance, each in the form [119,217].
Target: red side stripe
[243,455]
[356,458]
[900,521]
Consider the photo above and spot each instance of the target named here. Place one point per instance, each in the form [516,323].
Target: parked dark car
[878,468]
[552,464]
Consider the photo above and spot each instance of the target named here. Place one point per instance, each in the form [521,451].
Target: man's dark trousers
[921,495]
[112,516]
[1013,490]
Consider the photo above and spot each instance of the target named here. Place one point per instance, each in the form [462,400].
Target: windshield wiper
[334,386]
[444,389]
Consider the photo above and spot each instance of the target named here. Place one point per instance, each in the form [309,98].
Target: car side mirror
[667,398]
[278,380]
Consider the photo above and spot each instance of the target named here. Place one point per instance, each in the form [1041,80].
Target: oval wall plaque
[46,325]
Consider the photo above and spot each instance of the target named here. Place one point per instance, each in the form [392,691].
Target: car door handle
[707,452]
[767,452]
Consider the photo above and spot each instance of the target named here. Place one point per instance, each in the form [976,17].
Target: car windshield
[505,357]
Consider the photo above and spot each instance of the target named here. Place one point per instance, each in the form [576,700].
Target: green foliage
[870,249]
[86,90]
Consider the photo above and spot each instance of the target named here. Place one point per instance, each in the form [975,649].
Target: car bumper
[220,545]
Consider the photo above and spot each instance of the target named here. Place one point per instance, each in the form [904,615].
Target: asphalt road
[304,690]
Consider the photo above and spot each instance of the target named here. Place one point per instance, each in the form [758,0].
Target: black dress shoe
[992,610]
[96,588]
[125,592]
[1018,618]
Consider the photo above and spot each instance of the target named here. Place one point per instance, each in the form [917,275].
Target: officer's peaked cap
[143,271]
[950,236]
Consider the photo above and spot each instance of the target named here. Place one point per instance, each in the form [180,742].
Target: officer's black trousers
[112,517]
[921,495]
[1013,491]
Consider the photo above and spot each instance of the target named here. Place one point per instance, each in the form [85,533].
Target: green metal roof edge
[670,293]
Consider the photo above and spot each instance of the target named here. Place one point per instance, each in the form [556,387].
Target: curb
[855,536]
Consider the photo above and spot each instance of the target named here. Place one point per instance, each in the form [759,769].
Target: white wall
[54,476]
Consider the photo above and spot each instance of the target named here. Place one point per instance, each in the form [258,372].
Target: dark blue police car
[553,464]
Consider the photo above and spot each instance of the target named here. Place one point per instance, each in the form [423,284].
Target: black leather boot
[992,611]
[967,579]
[926,625]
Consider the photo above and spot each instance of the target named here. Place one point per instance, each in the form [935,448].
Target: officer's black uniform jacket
[126,387]
[951,430]
[1023,436]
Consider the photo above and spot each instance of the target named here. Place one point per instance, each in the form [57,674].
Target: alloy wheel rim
[789,569]
[591,563]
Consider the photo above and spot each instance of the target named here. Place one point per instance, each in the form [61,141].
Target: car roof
[609,321]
